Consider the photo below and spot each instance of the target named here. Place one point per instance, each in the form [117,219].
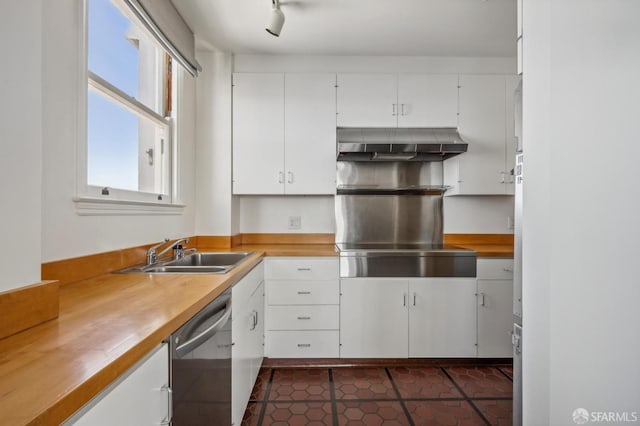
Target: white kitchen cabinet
[400,317]
[428,100]
[310,133]
[485,122]
[258,133]
[390,100]
[495,307]
[137,398]
[373,318]
[442,317]
[284,133]
[302,307]
[367,100]
[247,349]
[512,82]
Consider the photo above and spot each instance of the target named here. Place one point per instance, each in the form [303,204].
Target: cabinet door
[442,317]
[135,399]
[481,123]
[512,82]
[495,318]
[258,133]
[367,100]
[373,318]
[310,133]
[241,359]
[256,345]
[428,100]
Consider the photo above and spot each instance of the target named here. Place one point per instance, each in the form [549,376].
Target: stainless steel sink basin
[209,259]
[196,263]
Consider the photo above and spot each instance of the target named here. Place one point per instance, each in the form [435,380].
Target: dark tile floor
[348,396]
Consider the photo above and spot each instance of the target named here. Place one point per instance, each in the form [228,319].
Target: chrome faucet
[152,255]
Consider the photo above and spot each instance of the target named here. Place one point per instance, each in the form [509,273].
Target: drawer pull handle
[507,269]
[304,318]
[304,269]
[304,292]
[304,345]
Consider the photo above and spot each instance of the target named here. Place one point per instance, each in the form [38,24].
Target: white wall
[270,214]
[213,160]
[466,214]
[582,204]
[66,234]
[478,215]
[21,141]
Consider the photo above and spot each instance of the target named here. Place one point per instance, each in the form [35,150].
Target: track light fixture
[277,19]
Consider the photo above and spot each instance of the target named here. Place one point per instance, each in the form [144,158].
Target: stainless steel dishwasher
[201,366]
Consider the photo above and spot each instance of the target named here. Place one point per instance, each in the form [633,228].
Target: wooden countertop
[106,324]
[489,250]
[486,245]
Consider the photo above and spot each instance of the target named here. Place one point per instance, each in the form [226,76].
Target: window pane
[112,149]
[122,54]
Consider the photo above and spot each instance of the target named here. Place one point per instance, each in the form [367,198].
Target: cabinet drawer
[303,292]
[495,269]
[321,317]
[302,268]
[303,344]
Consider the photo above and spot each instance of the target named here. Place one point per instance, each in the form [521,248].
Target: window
[128,152]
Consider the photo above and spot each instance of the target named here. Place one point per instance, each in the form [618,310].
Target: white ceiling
[358,27]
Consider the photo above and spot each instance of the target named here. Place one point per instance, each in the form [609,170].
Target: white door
[428,100]
[482,125]
[310,133]
[495,318]
[442,317]
[258,133]
[137,398]
[373,318]
[367,100]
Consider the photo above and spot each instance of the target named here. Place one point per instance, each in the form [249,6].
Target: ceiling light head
[277,19]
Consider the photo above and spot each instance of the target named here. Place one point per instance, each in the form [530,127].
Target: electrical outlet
[295,222]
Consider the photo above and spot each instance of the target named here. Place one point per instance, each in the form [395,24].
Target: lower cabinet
[303,313]
[373,318]
[139,397]
[495,308]
[247,331]
[442,317]
[418,317]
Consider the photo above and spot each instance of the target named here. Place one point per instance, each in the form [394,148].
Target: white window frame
[91,200]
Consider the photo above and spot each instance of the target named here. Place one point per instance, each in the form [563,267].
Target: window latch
[149,152]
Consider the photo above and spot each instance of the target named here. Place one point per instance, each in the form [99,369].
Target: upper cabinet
[284,133]
[485,122]
[404,100]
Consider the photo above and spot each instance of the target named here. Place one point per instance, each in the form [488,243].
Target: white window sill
[89,206]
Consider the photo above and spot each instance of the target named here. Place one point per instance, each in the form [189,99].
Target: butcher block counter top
[485,245]
[106,324]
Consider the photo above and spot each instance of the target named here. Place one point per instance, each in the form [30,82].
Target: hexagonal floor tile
[252,414]
[300,385]
[440,413]
[298,414]
[260,388]
[499,413]
[371,413]
[481,382]
[423,382]
[362,383]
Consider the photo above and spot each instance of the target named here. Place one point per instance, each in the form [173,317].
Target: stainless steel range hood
[398,144]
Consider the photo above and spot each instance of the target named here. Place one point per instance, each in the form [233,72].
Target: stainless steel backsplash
[390,217]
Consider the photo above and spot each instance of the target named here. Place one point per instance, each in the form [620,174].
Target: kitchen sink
[209,259]
[196,263]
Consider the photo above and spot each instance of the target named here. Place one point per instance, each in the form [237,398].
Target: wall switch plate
[295,222]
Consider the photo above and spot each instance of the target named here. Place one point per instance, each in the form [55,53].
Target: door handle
[196,341]
[289,177]
[401,109]
[169,391]
[393,110]
[414,299]
[482,299]
[404,299]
